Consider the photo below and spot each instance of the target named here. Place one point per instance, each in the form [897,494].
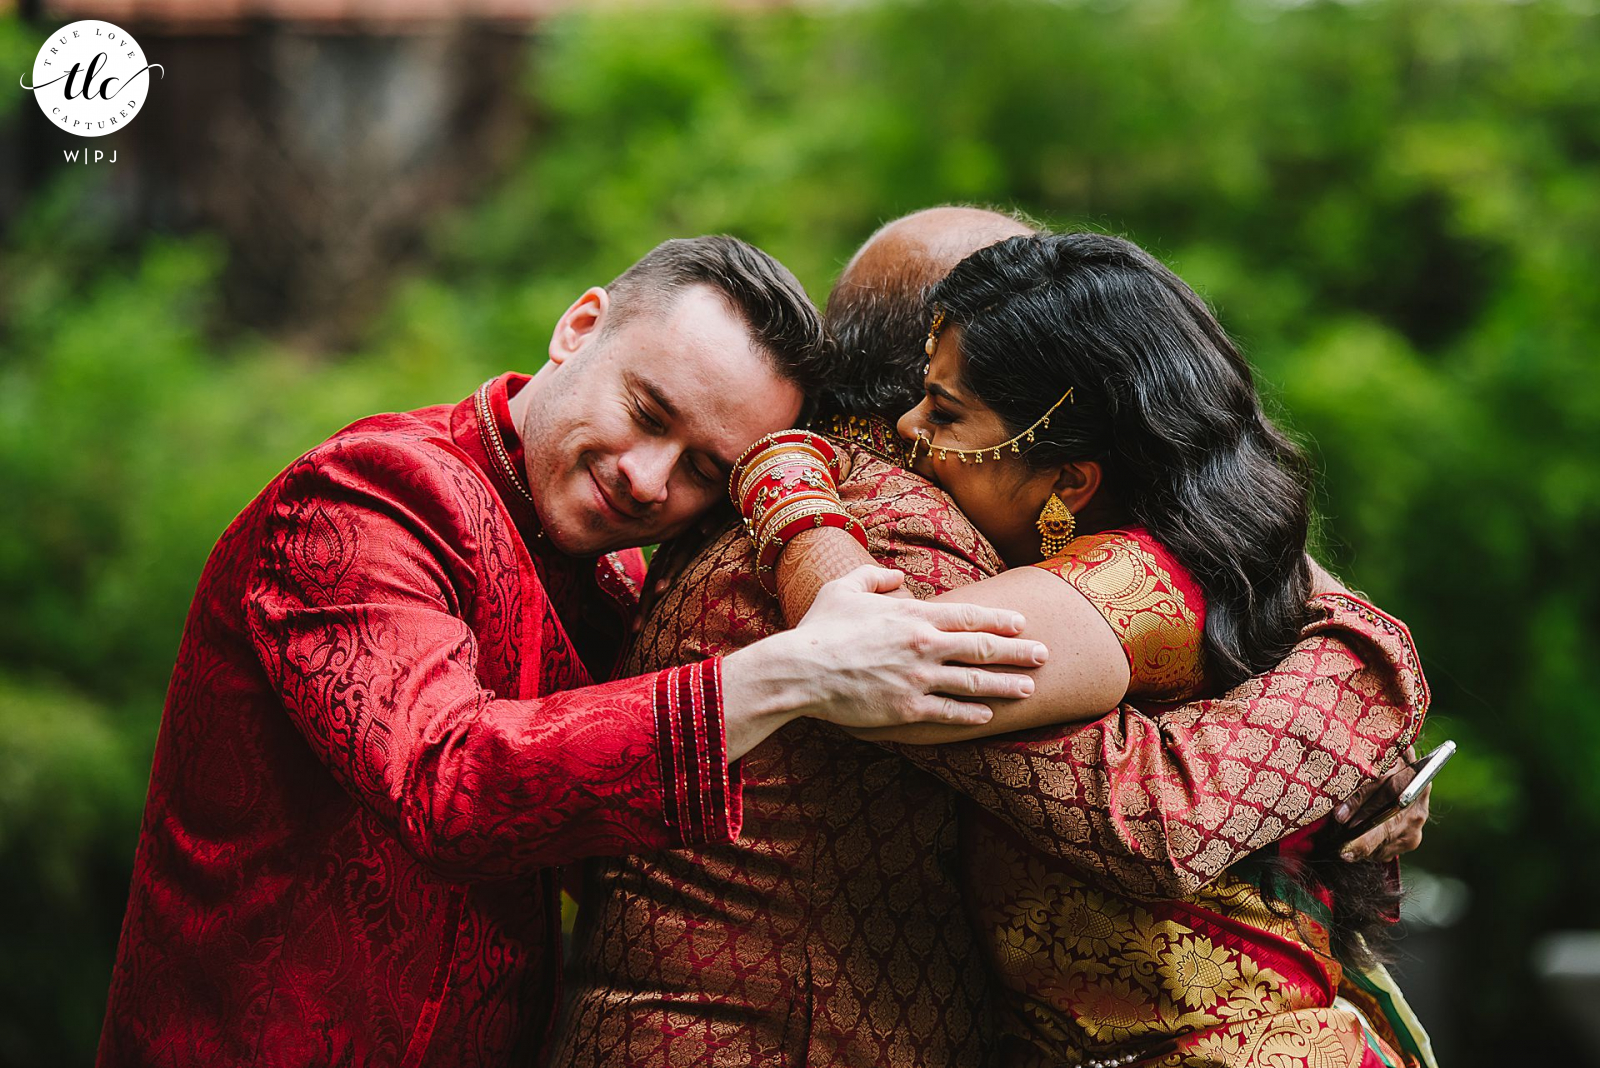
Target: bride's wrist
[784,485]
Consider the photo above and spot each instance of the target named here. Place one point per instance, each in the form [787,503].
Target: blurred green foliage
[1390,203]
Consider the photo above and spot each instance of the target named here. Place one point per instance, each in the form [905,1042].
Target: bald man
[833,931]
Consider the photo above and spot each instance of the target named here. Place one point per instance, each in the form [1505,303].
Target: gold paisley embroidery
[1136,593]
[1312,1038]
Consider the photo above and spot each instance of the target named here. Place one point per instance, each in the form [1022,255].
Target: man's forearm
[763,689]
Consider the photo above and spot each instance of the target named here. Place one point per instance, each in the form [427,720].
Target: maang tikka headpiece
[933,332]
[1014,443]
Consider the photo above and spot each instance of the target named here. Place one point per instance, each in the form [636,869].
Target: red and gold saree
[1238,972]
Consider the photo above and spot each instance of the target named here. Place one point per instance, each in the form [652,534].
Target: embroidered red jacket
[380,737]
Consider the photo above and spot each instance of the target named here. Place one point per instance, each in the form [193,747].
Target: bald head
[876,314]
[926,244]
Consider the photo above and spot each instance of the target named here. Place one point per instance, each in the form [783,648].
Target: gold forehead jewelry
[1042,423]
[933,332]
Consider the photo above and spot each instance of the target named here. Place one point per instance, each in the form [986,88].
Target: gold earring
[1055,526]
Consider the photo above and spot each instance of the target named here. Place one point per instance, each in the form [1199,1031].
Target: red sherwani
[380,737]
[833,931]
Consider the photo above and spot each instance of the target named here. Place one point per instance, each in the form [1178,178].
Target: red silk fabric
[380,737]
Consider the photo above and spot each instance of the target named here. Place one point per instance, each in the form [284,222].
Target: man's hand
[859,659]
[1400,833]
[883,661]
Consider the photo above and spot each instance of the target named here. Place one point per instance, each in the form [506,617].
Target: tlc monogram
[90,78]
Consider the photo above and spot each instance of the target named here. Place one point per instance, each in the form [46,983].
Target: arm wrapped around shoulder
[355,613]
[1161,804]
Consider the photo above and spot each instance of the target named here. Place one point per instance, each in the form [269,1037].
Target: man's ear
[579,324]
[1077,483]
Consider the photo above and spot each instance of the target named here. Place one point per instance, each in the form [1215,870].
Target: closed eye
[649,422]
[704,477]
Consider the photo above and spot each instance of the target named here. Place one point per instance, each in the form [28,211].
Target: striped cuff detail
[701,796]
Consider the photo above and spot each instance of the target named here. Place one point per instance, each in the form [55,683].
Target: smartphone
[1426,767]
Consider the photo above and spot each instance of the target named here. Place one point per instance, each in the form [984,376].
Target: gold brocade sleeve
[1157,620]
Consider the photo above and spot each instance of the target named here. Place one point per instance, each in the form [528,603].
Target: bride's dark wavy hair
[1164,402]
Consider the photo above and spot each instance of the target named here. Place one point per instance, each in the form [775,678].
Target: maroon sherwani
[381,735]
[833,931]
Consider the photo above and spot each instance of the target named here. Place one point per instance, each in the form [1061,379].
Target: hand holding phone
[1385,806]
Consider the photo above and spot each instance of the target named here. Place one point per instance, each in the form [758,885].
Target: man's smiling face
[629,431]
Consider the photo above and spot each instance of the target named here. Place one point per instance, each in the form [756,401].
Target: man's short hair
[763,293]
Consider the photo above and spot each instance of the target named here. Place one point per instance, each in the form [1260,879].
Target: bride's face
[1001,497]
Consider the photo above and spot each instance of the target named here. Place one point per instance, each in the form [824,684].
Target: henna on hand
[811,559]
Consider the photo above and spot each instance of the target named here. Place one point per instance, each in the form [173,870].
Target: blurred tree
[1390,203]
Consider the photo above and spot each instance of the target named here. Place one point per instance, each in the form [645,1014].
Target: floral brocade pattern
[1216,979]
[829,933]
[1151,604]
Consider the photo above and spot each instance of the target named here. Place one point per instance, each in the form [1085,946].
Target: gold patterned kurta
[833,932]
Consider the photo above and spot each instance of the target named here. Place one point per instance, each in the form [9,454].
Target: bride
[1094,421]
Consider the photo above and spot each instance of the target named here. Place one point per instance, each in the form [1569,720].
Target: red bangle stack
[784,484]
